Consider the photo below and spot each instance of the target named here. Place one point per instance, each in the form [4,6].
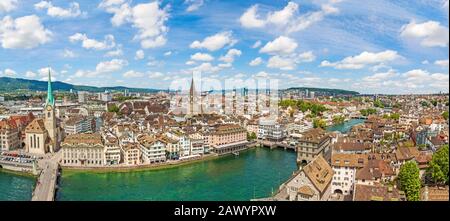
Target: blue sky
[372,47]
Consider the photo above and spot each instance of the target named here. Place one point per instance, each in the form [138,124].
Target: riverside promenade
[46,184]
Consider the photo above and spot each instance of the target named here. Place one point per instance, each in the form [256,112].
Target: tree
[409,180]
[378,103]
[338,119]
[445,115]
[438,166]
[319,123]
[424,104]
[113,108]
[251,136]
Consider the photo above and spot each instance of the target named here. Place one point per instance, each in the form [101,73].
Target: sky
[375,46]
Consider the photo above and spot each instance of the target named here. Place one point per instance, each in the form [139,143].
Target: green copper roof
[50,99]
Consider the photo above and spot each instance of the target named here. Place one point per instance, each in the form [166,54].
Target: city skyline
[382,47]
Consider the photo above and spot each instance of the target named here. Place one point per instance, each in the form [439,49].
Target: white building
[112,151]
[153,150]
[344,168]
[86,150]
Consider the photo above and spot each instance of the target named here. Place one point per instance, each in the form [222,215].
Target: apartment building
[86,150]
[313,143]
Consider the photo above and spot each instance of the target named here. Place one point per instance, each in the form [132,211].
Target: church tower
[50,119]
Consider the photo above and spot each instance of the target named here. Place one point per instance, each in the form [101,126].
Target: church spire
[50,99]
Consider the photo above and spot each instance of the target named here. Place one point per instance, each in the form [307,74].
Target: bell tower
[50,119]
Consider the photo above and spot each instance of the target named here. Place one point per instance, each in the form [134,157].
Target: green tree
[319,123]
[378,103]
[434,102]
[424,104]
[338,119]
[409,180]
[438,166]
[113,108]
[445,115]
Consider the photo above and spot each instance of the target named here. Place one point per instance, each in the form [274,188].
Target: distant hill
[12,84]
[327,91]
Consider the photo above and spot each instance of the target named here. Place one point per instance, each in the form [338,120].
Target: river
[15,187]
[346,126]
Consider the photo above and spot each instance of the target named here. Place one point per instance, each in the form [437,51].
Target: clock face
[49,108]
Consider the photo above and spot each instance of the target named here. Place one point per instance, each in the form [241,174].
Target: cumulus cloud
[442,63]
[69,54]
[290,62]
[115,53]
[231,54]
[255,62]
[381,76]
[206,67]
[167,53]
[148,18]
[133,74]
[153,75]
[8,5]
[430,33]
[103,67]
[9,72]
[202,57]
[193,5]
[215,42]
[30,74]
[88,43]
[363,59]
[53,11]
[256,44]
[139,55]
[281,45]
[24,32]
[287,19]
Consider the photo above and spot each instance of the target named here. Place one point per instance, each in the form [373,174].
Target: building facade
[83,150]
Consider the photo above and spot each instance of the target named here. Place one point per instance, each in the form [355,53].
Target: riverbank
[146,167]
[18,173]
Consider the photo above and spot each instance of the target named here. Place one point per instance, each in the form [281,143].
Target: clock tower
[50,119]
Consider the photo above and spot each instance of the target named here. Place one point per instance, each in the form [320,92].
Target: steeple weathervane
[50,99]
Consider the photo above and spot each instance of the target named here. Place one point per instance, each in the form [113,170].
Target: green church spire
[50,99]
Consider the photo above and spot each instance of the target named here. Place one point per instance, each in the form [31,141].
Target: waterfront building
[344,168]
[313,143]
[351,146]
[184,142]
[153,150]
[113,152]
[228,138]
[43,135]
[197,144]
[312,182]
[131,154]
[172,147]
[83,150]
[79,124]
[9,135]
[270,130]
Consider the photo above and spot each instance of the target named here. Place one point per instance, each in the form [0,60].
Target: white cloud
[231,54]
[69,54]
[281,63]
[430,33]
[133,74]
[25,32]
[224,65]
[168,53]
[425,62]
[281,45]
[381,76]
[9,72]
[206,68]
[261,74]
[215,42]
[154,75]
[148,18]
[255,62]
[30,74]
[250,19]
[110,66]
[202,57]
[53,11]
[115,53]
[363,59]
[88,43]
[442,63]
[190,63]
[290,62]
[256,44]
[288,18]
[284,16]
[8,5]
[139,55]
[43,72]
[193,5]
